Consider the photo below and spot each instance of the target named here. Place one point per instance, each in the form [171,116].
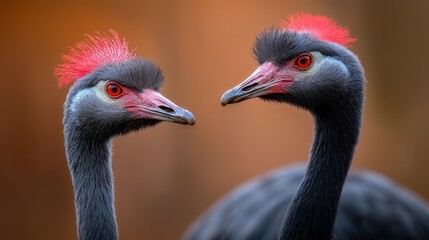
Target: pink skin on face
[281,78]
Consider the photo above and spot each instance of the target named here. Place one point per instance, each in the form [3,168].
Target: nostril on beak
[167,109]
[250,87]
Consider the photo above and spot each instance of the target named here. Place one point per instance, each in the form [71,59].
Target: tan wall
[167,175]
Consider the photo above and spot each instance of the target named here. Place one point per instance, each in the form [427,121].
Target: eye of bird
[114,90]
[304,61]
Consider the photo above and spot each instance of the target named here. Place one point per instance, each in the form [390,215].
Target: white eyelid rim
[100,92]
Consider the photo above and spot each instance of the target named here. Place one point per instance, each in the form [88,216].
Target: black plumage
[256,209]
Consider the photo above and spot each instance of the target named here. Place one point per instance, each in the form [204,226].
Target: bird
[114,92]
[307,63]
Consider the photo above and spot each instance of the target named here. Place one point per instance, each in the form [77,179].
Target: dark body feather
[371,207]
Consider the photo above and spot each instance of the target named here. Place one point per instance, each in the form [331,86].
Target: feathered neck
[89,161]
[312,212]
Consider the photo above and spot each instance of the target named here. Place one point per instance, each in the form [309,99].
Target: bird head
[305,63]
[114,91]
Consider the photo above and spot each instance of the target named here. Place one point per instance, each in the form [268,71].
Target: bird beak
[152,105]
[267,79]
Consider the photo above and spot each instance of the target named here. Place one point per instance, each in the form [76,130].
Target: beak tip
[190,119]
[191,122]
[226,98]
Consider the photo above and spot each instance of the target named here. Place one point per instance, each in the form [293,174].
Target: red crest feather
[90,54]
[321,27]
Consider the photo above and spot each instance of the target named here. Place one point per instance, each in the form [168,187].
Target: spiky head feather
[90,54]
[321,27]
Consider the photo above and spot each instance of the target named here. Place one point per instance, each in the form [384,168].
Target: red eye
[114,90]
[304,61]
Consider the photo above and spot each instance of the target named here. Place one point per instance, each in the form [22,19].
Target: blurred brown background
[166,176]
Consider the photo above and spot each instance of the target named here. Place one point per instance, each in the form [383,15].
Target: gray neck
[89,161]
[312,212]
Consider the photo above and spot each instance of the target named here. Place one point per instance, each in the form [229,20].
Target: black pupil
[304,60]
[114,89]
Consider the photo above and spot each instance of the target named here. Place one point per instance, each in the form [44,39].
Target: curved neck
[89,161]
[311,214]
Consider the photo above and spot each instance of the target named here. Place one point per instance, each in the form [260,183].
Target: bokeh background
[166,176]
